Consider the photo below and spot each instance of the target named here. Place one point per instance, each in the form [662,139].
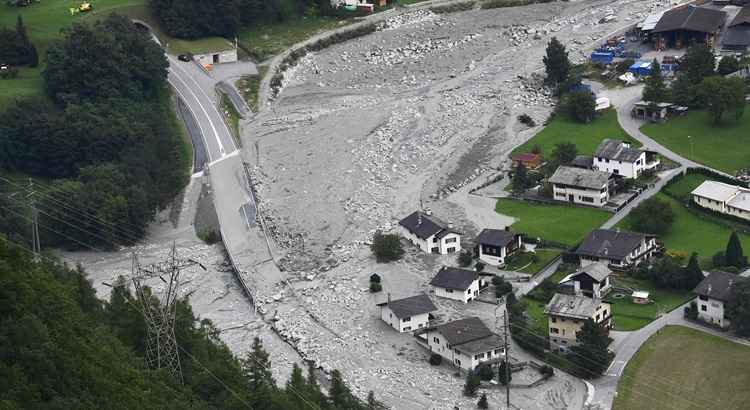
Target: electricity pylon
[161,345]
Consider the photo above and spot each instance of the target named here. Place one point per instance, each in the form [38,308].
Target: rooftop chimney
[450,224]
[709,288]
[419,218]
[428,211]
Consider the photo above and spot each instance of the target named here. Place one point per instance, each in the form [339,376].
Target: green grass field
[523,261]
[682,368]
[631,316]
[586,136]
[538,321]
[724,147]
[559,223]
[693,232]
[264,41]
[685,185]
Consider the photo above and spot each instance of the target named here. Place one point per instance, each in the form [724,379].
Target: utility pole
[35,242]
[507,362]
[161,344]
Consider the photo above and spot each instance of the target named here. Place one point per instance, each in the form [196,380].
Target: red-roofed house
[529,160]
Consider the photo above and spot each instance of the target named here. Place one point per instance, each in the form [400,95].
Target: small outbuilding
[640,297]
[216,52]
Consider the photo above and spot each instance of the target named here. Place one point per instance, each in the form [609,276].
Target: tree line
[105,137]
[197,18]
[61,347]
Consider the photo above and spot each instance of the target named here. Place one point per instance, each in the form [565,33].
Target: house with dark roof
[712,295]
[581,186]
[566,315]
[620,250]
[466,343]
[457,284]
[737,36]
[407,314]
[494,245]
[592,281]
[430,234]
[680,26]
[617,157]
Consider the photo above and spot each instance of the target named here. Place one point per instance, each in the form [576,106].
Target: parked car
[184,57]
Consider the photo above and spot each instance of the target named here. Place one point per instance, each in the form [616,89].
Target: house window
[450,240]
[451,250]
[421,325]
[436,340]
[607,161]
[468,291]
[458,362]
[449,291]
[616,171]
[478,356]
[703,297]
[597,317]
[704,308]
[554,330]
[587,199]
[498,351]
[407,319]
[407,328]
[554,319]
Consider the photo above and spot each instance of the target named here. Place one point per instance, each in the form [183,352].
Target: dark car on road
[184,57]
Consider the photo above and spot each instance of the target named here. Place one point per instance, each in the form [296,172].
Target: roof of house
[743,17]
[576,306]
[718,191]
[640,294]
[424,226]
[459,332]
[587,178]
[610,243]
[411,306]
[649,23]
[691,18]
[597,271]
[737,36]
[454,278]
[617,151]
[484,344]
[496,237]
[527,156]
[717,285]
[582,161]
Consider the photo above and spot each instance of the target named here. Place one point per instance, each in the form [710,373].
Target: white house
[618,158]
[494,245]
[592,281]
[580,186]
[457,284]
[713,294]
[430,234]
[408,314]
[723,198]
[466,343]
[618,249]
[217,53]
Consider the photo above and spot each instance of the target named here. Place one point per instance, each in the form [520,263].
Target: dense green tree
[520,181]
[556,63]
[15,47]
[734,255]
[722,95]
[698,63]
[502,287]
[728,65]
[196,18]
[504,373]
[655,90]
[108,59]
[580,106]
[339,393]
[563,153]
[693,273]
[485,372]
[738,308]
[472,384]
[591,355]
[653,216]
[386,247]
[465,258]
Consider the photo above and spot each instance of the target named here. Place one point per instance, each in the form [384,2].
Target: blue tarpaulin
[602,58]
[640,68]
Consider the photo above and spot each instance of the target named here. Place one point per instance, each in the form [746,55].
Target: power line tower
[161,344]
[35,242]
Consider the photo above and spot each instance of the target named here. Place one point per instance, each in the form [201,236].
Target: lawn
[685,185]
[586,136]
[722,147]
[631,316]
[232,117]
[670,372]
[535,310]
[264,41]
[523,262]
[559,223]
[694,232]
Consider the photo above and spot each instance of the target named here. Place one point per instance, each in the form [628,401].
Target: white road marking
[203,133]
[230,155]
[621,363]
[208,117]
[209,98]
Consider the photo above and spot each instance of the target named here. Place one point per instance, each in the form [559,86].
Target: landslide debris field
[363,132]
